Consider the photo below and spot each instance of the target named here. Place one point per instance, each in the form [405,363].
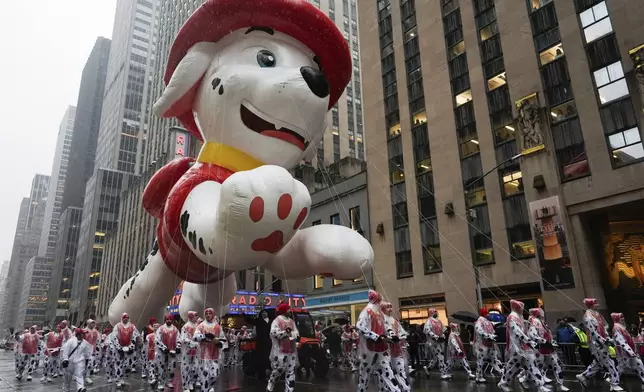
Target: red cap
[483,312]
[617,317]
[152,321]
[589,302]
[168,317]
[297,18]
[282,308]
[374,297]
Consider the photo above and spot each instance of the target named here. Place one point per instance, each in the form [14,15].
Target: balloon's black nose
[316,81]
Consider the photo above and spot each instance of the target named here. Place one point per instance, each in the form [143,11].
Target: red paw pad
[284,205]
[271,244]
[300,218]
[256,209]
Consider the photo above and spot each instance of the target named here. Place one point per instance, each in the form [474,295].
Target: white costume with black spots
[398,337]
[520,350]
[122,344]
[373,349]
[17,352]
[93,337]
[435,332]
[349,340]
[547,358]
[627,359]
[53,344]
[211,338]
[149,358]
[283,354]
[456,352]
[599,339]
[189,364]
[30,342]
[484,347]
[167,345]
[76,352]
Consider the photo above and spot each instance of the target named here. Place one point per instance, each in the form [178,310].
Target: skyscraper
[57,184]
[510,153]
[86,125]
[25,246]
[35,292]
[4,273]
[123,118]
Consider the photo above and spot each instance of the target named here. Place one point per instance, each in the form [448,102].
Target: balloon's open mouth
[267,128]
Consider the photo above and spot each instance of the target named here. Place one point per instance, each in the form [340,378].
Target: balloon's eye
[266,58]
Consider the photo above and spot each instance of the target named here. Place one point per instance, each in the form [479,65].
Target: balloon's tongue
[285,136]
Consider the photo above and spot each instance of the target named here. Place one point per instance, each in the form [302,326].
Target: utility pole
[479,294]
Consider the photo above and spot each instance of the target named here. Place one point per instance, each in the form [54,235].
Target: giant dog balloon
[254,79]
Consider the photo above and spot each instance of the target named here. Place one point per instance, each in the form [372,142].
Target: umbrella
[341,321]
[496,317]
[466,317]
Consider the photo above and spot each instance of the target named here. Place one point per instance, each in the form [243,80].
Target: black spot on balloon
[215,83]
[221,90]
[192,237]
[210,250]
[155,248]
[202,249]
[145,263]
[185,218]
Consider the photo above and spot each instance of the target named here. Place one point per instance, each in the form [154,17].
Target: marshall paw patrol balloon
[253,79]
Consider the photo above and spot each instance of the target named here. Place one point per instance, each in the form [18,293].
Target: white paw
[259,212]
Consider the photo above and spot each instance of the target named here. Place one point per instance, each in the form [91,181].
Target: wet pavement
[233,380]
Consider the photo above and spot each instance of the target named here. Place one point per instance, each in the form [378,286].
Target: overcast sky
[43,45]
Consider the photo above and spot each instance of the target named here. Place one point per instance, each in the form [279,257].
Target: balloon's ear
[179,94]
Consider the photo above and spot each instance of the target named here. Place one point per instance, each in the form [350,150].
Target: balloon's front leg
[146,293]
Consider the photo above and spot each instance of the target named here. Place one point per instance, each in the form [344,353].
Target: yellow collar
[227,157]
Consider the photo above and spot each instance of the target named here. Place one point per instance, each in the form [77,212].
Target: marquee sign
[248,301]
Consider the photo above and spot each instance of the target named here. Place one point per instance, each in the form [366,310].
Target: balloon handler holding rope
[254,81]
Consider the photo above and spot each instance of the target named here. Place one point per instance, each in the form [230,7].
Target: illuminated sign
[248,301]
[181,142]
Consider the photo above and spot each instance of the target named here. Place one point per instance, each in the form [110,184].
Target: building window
[317,222]
[596,22]
[456,50]
[517,222]
[335,219]
[512,182]
[610,82]
[504,134]
[626,147]
[241,279]
[318,282]
[489,31]
[431,245]
[354,218]
[563,112]
[402,248]
[463,98]
[475,197]
[551,54]
[569,148]
[496,81]
[394,130]
[481,235]
[536,4]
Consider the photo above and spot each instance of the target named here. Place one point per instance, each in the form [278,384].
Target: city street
[233,380]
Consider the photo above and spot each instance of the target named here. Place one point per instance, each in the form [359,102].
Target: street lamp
[471,215]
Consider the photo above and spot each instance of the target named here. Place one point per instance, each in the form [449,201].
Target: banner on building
[549,234]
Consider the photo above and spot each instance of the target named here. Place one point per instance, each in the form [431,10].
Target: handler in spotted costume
[486,352]
[456,352]
[30,342]
[520,350]
[93,337]
[211,338]
[121,342]
[53,345]
[168,349]
[435,332]
[373,348]
[548,358]
[189,353]
[283,356]
[398,337]
[599,340]
[149,355]
[627,359]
